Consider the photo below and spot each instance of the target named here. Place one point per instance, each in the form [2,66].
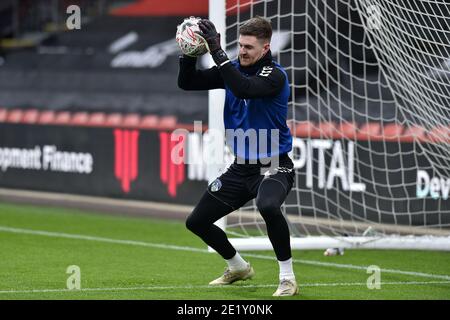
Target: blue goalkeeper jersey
[255,123]
[255,110]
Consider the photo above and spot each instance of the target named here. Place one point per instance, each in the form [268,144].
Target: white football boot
[232,276]
[286,287]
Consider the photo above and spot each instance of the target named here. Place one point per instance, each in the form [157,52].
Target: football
[334,252]
[190,43]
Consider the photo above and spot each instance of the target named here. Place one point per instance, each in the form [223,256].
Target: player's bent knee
[267,207]
[193,225]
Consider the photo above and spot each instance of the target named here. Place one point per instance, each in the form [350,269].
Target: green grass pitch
[142,258]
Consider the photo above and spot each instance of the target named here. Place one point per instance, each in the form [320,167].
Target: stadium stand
[124,60]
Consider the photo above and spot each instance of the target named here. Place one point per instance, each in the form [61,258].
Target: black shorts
[241,182]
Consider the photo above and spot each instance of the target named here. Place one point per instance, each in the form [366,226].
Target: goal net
[370,115]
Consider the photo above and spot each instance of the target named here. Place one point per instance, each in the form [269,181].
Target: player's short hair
[258,27]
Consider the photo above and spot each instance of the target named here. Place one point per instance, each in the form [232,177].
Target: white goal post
[370,115]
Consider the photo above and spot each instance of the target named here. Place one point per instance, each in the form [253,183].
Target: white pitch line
[192,249]
[100,239]
[302,285]
[351,266]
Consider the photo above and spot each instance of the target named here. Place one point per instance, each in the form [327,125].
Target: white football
[334,252]
[191,43]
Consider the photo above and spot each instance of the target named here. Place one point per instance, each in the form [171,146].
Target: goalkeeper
[257,93]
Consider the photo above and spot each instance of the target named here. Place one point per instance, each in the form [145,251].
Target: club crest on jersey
[266,71]
[216,185]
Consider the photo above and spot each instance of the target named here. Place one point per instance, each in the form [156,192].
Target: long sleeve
[190,78]
[268,81]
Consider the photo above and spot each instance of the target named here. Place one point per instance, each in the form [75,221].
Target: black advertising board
[107,162]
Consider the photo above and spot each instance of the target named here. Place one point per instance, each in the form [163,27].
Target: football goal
[370,115]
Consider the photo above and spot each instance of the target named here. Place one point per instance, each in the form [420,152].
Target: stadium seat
[46,117]
[412,133]
[80,118]
[439,134]
[63,117]
[369,131]
[131,120]
[307,129]
[167,122]
[3,114]
[97,119]
[114,120]
[328,129]
[392,132]
[15,116]
[150,122]
[31,116]
[347,130]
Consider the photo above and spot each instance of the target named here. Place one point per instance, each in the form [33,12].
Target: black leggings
[271,194]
